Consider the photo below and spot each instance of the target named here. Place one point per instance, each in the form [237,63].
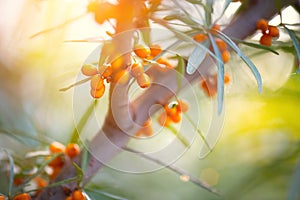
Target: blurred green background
[256,156]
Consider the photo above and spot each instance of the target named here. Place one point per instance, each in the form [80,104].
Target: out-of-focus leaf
[244,58]
[99,195]
[195,59]
[180,71]
[208,11]
[74,84]
[146,33]
[180,18]
[11,172]
[178,135]
[83,120]
[295,43]
[220,66]
[79,173]
[294,193]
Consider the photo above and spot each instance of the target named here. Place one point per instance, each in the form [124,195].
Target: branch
[123,118]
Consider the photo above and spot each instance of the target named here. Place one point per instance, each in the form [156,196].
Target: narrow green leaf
[181,18]
[294,193]
[178,135]
[257,46]
[146,35]
[208,12]
[79,173]
[180,71]
[220,66]
[11,172]
[74,84]
[195,59]
[85,117]
[243,57]
[296,45]
[85,157]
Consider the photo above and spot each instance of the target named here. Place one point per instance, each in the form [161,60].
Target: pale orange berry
[122,77]
[225,56]
[117,63]
[200,37]
[164,119]
[222,46]
[155,49]
[97,82]
[137,69]
[56,147]
[78,195]
[23,196]
[265,40]
[226,78]
[142,51]
[72,150]
[40,182]
[97,93]
[215,28]
[57,162]
[164,61]
[55,172]
[183,106]
[144,81]
[262,25]
[105,71]
[89,70]
[210,91]
[273,31]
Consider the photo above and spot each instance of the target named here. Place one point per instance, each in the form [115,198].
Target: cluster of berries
[220,43]
[210,85]
[76,195]
[172,112]
[71,150]
[22,196]
[268,32]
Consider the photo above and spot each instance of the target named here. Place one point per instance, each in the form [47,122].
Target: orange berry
[69,198]
[262,25]
[215,28]
[72,150]
[2,197]
[97,93]
[18,181]
[141,51]
[97,82]
[137,69]
[122,77]
[78,195]
[56,147]
[200,37]
[183,106]
[23,196]
[144,80]
[225,56]
[226,78]
[55,172]
[117,63]
[165,62]
[155,49]
[89,70]
[171,108]
[176,118]
[40,182]
[105,71]
[209,90]
[265,40]
[145,130]
[273,31]
[57,162]
[221,45]
[164,119]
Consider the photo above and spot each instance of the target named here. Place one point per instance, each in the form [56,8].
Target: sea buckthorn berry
[69,198]
[183,106]
[105,71]
[144,80]
[225,56]
[145,130]
[176,118]
[18,181]
[2,197]
[164,119]
[78,195]
[55,172]
[117,63]
[171,108]
[122,77]
[265,40]
[23,196]
[56,147]
[57,162]
[89,70]
[97,93]
[97,82]
[200,37]
[137,69]
[165,62]
[273,31]
[72,150]
[262,25]
[209,90]
[226,78]
[155,49]
[222,46]
[142,51]
[215,28]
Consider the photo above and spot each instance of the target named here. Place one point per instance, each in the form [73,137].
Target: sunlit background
[255,157]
